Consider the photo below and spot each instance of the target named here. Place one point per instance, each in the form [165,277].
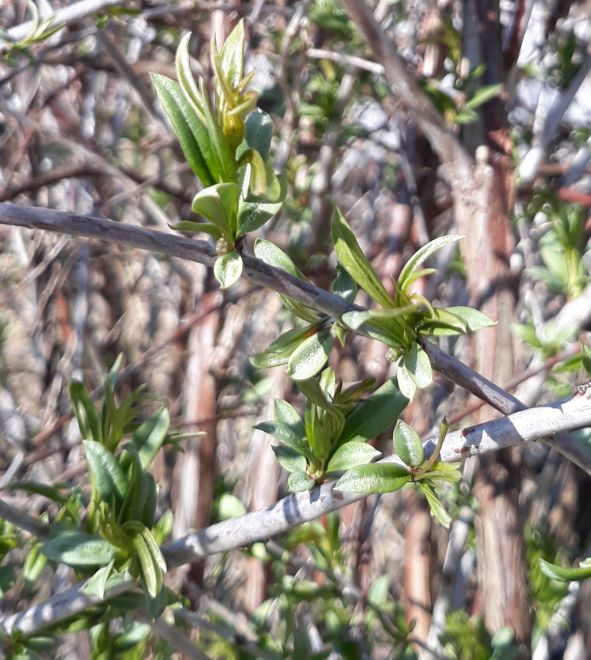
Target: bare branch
[62,17]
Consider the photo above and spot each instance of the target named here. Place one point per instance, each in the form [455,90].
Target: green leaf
[191,226]
[344,285]
[290,459]
[107,475]
[565,574]
[219,204]
[472,318]
[45,490]
[227,269]
[79,550]
[189,130]
[252,215]
[232,55]
[258,132]
[353,260]
[422,255]
[482,95]
[351,454]
[299,482]
[96,585]
[371,417]
[416,362]
[279,350]
[287,414]
[408,445]
[310,356]
[275,257]
[285,434]
[263,182]
[85,411]
[186,80]
[364,322]
[151,574]
[150,436]
[374,478]
[435,506]
[34,564]
[406,384]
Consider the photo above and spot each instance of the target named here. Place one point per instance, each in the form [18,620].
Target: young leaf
[344,285]
[287,435]
[79,550]
[362,321]
[279,350]
[408,445]
[310,356]
[418,367]
[353,260]
[150,571]
[191,226]
[565,574]
[437,510]
[252,215]
[473,318]
[150,435]
[189,130]
[287,414]
[484,94]
[290,459]
[232,55]
[422,255]
[86,414]
[374,478]
[227,269]
[107,476]
[350,455]
[406,384]
[185,77]
[96,585]
[258,132]
[299,482]
[274,256]
[219,204]
[371,417]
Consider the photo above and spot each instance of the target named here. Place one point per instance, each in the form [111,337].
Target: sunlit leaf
[310,356]
[227,269]
[352,259]
[79,549]
[258,132]
[299,482]
[565,574]
[408,445]
[435,506]
[416,362]
[372,416]
[352,454]
[290,459]
[107,475]
[374,478]
[422,255]
[188,128]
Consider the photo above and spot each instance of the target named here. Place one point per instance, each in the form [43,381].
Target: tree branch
[277,280]
[525,426]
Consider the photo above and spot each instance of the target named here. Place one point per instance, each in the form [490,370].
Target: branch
[525,426]
[62,17]
[24,521]
[404,86]
[277,280]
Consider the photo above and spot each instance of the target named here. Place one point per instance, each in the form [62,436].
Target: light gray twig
[527,425]
[69,14]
